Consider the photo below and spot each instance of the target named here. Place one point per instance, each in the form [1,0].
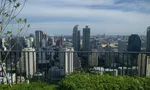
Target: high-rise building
[27,64]
[62,40]
[134,43]
[51,41]
[143,65]
[93,58]
[66,59]
[38,38]
[76,38]
[122,45]
[86,38]
[94,44]
[29,42]
[44,40]
[3,44]
[148,40]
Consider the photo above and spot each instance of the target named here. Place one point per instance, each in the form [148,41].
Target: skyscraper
[27,63]
[148,40]
[86,38]
[38,38]
[51,41]
[122,45]
[66,59]
[134,43]
[76,38]
[44,40]
[62,40]
[93,58]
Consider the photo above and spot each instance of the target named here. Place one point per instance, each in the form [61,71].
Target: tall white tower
[66,59]
[28,61]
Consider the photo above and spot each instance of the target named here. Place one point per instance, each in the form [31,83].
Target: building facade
[134,43]
[66,59]
[38,38]
[86,39]
[122,45]
[93,58]
[76,38]
[148,40]
[27,64]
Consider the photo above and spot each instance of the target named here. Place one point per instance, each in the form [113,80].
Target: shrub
[86,81]
[31,86]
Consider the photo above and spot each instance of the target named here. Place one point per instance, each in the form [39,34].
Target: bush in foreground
[31,86]
[86,81]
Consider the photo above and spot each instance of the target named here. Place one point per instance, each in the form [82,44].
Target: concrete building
[43,58]
[148,66]
[93,58]
[76,61]
[3,44]
[143,65]
[122,45]
[54,73]
[102,70]
[38,38]
[94,44]
[129,71]
[28,62]
[66,59]
[76,38]
[44,40]
[11,76]
[148,40]
[86,38]
[61,40]
[134,43]
[29,41]
[51,40]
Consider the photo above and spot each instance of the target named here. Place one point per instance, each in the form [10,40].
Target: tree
[9,10]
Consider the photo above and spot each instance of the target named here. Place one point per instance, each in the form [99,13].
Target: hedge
[32,86]
[86,81]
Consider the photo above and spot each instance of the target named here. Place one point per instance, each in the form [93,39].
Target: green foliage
[31,86]
[9,32]
[86,81]
[19,20]
[17,5]
[28,25]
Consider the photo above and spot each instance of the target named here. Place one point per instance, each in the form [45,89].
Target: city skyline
[110,17]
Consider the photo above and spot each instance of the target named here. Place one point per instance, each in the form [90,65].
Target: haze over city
[112,17]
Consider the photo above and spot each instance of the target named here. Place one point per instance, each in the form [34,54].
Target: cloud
[111,16]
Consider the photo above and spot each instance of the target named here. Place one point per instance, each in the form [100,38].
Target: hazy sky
[57,17]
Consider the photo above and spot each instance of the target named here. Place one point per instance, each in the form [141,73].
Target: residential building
[93,58]
[38,38]
[122,45]
[148,40]
[27,64]
[76,38]
[51,40]
[134,43]
[66,59]
[86,38]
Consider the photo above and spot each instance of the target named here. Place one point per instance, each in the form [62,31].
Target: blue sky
[56,17]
